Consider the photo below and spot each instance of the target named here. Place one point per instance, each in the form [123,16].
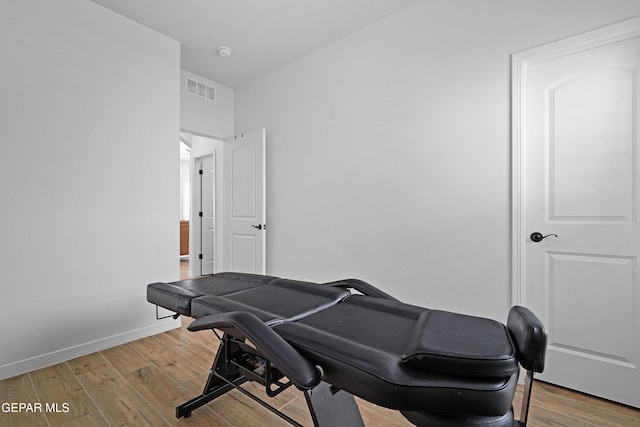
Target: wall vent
[200,89]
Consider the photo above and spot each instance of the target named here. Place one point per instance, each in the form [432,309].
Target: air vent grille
[200,89]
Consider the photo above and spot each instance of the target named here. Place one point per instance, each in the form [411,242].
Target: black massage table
[345,338]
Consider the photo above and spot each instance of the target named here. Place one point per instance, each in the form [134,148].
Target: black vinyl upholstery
[530,337]
[459,344]
[359,344]
[439,368]
[177,296]
[281,300]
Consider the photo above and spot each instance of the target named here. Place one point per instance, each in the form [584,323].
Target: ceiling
[263,34]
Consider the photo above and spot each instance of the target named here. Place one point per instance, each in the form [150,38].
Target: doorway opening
[200,194]
[210,238]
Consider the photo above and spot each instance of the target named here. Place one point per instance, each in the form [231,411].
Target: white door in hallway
[244,203]
[207,214]
[576,157]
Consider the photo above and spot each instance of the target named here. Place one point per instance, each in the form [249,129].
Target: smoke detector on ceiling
[224,51]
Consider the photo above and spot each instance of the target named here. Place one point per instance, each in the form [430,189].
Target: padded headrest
[529,336]
[460,344]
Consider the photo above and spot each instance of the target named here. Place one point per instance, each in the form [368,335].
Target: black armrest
[362,287]
[291,363]
[530,338]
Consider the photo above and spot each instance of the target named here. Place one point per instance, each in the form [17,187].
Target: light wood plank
[104,383]
[57,385]
[93,419]
[174,364]
[132,410]
[164,394]
[238,409]
[20,390]
[297,409]
[580,409]
[124,358]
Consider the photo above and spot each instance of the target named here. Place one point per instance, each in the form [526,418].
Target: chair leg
[526,398]
[332,407]
[222,379]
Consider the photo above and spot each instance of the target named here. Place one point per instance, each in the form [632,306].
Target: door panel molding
[608,188]
[571,303]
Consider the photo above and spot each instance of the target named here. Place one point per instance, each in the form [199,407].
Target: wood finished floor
[141,383]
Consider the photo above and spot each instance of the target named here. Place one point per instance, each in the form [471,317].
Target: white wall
[388,152]
[202,116]
[89,112]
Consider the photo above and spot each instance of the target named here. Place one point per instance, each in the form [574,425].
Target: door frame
[520,61]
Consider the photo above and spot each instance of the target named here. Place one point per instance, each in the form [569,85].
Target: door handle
[259,226]
[538,237]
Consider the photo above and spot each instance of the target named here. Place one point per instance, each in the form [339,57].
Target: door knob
[538,237]
[259,226]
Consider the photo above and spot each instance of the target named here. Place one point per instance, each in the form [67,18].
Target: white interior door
[576,152]
[244,203]
[207,214]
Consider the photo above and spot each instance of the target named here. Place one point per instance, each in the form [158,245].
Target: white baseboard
[59,356]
